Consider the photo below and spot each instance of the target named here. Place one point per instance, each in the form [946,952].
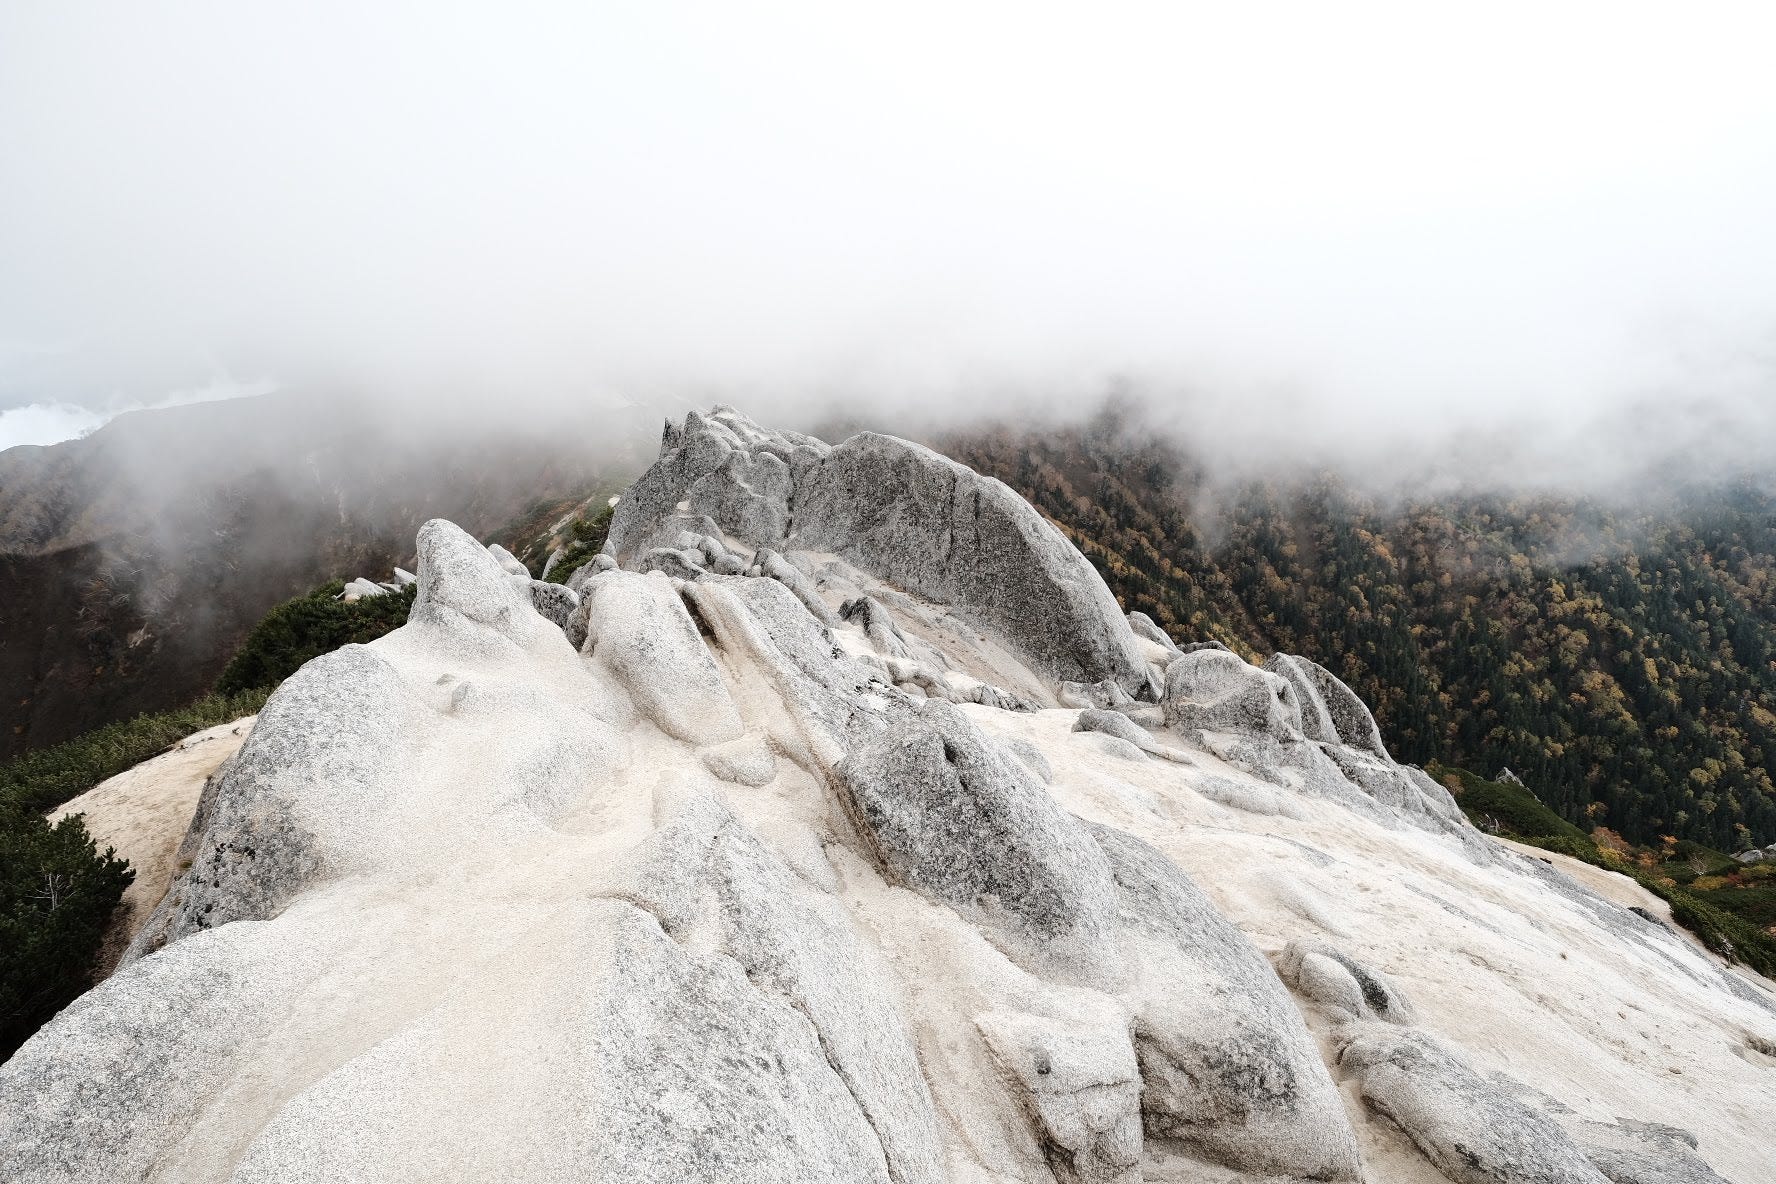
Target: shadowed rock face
[898,511]
[707,882]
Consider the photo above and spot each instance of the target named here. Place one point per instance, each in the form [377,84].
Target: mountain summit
[835,825]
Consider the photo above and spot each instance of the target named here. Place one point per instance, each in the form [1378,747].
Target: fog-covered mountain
[132,561]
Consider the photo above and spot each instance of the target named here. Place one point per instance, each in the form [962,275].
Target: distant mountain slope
[133,561]
[1622,661]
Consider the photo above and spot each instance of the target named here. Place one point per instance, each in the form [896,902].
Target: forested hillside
[1620,659]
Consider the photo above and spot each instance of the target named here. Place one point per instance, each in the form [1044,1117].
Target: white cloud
[46,423]
[51,423]
[1331,220]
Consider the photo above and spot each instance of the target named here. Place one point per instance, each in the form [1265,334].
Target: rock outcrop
[761,851]
[947,814]
[898,511]
[1473,1131]
[1331,713]
[1226,1061]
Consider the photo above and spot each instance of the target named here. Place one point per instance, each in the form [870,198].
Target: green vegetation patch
[588,535]
[1754,905]
[1502,807]
[40,781]
[1727,934]
[307,627]
[57,891]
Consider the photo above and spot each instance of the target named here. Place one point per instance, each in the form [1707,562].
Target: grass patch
[1726,920]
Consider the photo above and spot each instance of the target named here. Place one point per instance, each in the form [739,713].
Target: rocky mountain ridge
[836,825]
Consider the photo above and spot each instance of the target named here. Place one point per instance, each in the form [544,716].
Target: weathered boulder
[951,816]
[1115,723]
[1330,711]
[1342,984]
[868,614]
[938,529]
[698,1075]
[1642,1152]
[1628,1150]
[804,1046]
[898,511]
[1106,694]
[916,676]
[467,601]
[988,695]
[509,562]
[554,602]
[771,564]
[1144,626]
[361,588]
[1080,1083]
[685,564]
[759,625]
[637,629]
[299,801]
[1473,1131]
[1210,690]
[1227,1063]
[97,1096]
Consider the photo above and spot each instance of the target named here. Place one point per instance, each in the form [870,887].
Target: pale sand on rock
[142,813]
[1520,979]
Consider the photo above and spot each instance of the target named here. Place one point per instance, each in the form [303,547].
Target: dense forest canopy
[1620,659]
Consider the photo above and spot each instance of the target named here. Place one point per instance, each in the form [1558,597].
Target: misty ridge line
[155,476]
[1636,459]
[134,559]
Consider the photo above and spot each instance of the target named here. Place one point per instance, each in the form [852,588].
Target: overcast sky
[1281,222]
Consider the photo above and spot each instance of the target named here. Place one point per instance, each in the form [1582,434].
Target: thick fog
[1534,237]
